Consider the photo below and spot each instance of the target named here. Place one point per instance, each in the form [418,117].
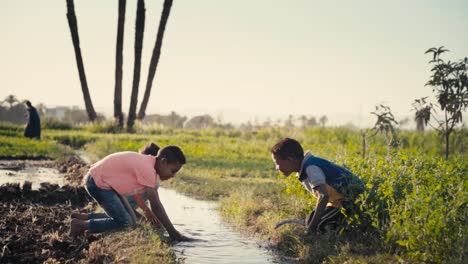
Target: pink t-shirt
[128,173]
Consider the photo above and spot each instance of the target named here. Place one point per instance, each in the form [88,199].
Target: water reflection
[14,172]
[219,243]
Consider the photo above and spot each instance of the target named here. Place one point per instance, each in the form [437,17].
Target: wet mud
[34,224]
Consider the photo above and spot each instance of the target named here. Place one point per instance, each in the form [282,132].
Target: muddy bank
[74,169]
[34,224]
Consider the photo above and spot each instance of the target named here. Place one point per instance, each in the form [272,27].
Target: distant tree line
[11,110]
[14,111]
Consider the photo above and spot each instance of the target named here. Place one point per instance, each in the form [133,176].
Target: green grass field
[414,209]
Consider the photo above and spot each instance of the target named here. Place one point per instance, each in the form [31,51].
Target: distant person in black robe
[33,128]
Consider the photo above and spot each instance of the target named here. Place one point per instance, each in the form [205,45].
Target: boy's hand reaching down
[181,238]
[185,238]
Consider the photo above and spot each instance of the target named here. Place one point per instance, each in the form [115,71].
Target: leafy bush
[429,220]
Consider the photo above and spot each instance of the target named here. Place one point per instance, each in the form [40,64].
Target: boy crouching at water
[112,179]
[329,183]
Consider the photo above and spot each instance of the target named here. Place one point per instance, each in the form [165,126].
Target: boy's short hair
[172,154]
[150,149]
[288,148]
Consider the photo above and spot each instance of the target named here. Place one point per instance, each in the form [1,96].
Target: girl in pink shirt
[122,174]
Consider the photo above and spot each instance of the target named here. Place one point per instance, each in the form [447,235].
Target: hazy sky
[237,59]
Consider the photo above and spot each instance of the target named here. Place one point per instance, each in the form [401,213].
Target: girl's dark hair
[172,154]
[288,148]
[150,149]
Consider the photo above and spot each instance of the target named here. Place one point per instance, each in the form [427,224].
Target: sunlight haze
[236,60]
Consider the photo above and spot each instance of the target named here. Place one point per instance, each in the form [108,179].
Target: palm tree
[10,100]
[155,57]
[423,109]
[139,30]
[79,60]
[118,115]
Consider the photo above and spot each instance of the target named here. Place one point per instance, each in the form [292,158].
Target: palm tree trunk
[155,57]
[139,30]
[79,60]
[118,115]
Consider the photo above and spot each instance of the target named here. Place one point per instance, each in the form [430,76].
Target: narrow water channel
[219,242]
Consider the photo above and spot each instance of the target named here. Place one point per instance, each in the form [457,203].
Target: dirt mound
[34,224]
[74,169]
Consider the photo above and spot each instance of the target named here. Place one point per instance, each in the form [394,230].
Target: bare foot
[77,227]
[79,216]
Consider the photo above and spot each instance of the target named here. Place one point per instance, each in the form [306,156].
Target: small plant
[449,81]
[385,125]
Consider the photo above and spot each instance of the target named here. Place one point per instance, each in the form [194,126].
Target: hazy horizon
[240,60]
[236,118]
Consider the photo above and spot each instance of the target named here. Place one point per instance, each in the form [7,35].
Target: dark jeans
[331,219]
[116,216]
